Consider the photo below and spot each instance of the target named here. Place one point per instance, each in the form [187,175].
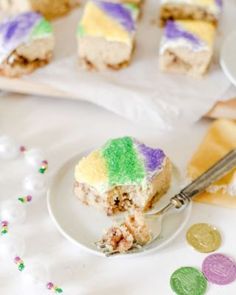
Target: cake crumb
[130,234]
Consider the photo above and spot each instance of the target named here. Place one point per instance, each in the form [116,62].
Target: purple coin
[219,269]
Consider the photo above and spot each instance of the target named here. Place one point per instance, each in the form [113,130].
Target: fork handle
[200,184]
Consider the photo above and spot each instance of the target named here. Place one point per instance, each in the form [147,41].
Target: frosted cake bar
[207,10]
[187,47]
[106,35]
[48,8]
[122,174]
[26,43]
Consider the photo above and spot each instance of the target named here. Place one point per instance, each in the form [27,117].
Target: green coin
[188,281]
[203,237]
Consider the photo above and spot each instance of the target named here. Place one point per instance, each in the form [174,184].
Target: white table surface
[62,128]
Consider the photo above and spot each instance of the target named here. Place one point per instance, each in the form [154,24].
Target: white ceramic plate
[228,57]
[85,225]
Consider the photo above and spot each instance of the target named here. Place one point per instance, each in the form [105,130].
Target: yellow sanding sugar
[206,2]
[92,169]
[203,30]
[97,23]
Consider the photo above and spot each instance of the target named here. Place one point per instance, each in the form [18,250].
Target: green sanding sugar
[43,28]
[123,163]
[80,31]
[132,6]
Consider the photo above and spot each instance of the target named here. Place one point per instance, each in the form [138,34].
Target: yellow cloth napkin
[219,140]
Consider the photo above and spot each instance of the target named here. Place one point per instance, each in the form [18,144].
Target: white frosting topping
[181,42]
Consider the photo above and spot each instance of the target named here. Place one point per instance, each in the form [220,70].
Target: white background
[63,128]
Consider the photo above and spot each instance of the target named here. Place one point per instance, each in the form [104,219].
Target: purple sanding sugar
[173,31]
[219,3]
[120,13]
[16,28]
[153,157]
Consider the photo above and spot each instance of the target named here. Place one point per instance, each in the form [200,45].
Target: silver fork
[182,199]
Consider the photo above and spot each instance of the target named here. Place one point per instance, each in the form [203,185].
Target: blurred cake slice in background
[106,35]
[206,10]
[49,8]
[187,47]
[122,174]
[26,43]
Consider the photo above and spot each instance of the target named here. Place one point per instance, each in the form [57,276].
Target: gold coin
[204,237]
